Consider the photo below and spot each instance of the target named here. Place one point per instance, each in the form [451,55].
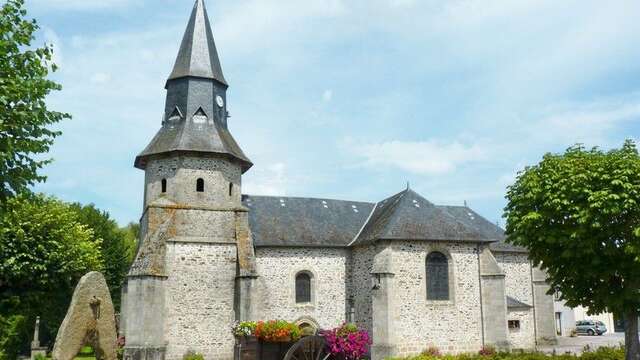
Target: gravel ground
[577,344]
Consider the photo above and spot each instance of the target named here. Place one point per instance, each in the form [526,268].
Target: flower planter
[274,350]
[250,348]
[247,348]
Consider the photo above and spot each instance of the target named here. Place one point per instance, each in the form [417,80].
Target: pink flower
[348,340]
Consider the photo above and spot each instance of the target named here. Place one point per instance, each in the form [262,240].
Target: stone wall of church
[200,299]
[518,284]
[181,173]
[453,326]
[277,268]
[360,285]
[523,337]
[518,275]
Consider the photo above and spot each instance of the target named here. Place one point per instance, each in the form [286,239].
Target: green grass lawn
[85,354]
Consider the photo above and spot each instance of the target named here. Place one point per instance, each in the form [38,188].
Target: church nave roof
[309,222]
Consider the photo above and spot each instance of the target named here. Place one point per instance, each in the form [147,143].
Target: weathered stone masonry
[278,267]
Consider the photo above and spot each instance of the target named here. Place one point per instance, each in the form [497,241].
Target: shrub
[277,331]
[431,351]
[121,342]
[192,355]
[13,329]
[602,353]
[487,350]
[347,341]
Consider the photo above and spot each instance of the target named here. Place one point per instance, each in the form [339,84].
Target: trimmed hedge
[602,353]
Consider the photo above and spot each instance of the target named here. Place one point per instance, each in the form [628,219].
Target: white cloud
[421,157]
[100,78]
[250,26]
[82,4]
[592,123]
[270,180]
[504,66]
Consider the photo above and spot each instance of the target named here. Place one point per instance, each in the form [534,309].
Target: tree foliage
[43,245]
[44,250]
[117,248]
[578,214]
[46,245]
[24,115]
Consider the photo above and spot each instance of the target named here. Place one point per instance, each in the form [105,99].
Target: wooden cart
[307,348]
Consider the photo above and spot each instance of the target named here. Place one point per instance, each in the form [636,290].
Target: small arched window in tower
[200,185]
[200,117]
[303,287]
[230,189]
[163,185]
[437,273]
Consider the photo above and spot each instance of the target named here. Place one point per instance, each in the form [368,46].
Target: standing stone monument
[89,320]
[36,349]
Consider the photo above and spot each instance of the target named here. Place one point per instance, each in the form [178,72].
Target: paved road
[577,344]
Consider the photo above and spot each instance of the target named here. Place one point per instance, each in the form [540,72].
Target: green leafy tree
[117,246]
[44,250]
[578,214]
[24,115]
[132,234]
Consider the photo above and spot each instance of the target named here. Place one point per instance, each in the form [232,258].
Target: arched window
[303,287]
[230,189]
[200,185]
[437,276]
[163,185]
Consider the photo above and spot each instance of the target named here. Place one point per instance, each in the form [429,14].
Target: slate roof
[198,55]
[186,136]
[515,303]
[502,246]
[489,229]
[291,221]
[409,216]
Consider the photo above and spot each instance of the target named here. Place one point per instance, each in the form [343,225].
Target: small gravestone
[36,349]
[90,320]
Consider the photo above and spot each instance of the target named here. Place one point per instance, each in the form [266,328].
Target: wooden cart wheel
[308,348]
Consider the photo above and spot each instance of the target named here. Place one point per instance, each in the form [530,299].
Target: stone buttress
[494,302]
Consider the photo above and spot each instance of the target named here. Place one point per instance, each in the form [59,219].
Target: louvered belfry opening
[437,276]
[303,288]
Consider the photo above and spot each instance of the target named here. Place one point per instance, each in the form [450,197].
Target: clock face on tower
[219,101]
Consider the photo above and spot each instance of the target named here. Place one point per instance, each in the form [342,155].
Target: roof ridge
[355,238]
[310,198]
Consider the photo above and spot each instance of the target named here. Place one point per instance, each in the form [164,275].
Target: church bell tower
[195,247]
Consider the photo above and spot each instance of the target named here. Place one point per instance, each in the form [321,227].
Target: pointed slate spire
[198,56]
[195,116]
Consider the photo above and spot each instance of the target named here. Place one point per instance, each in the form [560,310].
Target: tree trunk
[631,341]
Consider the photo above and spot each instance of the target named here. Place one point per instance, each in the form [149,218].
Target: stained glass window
[437,276]
[303,288]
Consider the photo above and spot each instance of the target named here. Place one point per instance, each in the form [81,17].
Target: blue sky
[348,99]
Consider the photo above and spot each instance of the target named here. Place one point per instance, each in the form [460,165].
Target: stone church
[414,274]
